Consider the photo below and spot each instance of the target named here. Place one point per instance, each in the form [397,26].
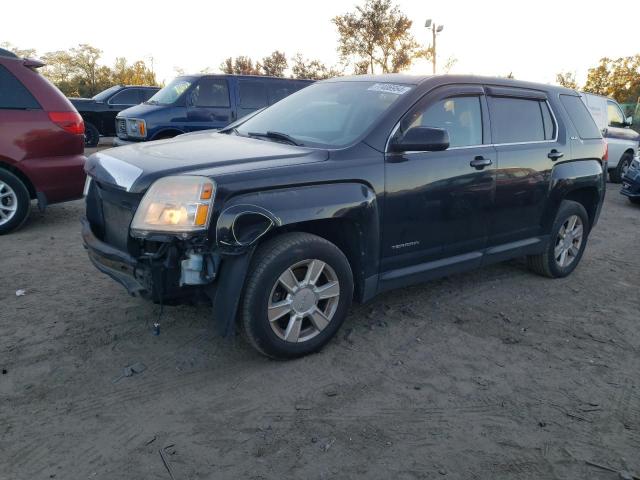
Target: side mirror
[628,121]
[420,139]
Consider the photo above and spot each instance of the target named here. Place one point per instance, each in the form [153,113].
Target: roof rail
[7,53]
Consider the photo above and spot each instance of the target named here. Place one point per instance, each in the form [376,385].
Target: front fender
[245,218]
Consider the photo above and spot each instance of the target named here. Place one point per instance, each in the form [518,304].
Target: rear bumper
[59,179]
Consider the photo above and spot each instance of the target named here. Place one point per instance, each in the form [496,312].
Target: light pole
[435,29]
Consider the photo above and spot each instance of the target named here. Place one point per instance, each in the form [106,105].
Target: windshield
[171,93]
[103,95]
[332,114]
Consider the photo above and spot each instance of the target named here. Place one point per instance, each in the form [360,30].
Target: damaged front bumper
[168,275]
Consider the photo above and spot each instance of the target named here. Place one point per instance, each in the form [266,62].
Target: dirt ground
[494,374]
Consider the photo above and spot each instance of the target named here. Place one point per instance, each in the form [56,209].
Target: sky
[534,41]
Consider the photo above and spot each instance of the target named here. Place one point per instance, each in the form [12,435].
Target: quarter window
[580,117]
[516,120]
[211,92]
[461,117]
[14,95]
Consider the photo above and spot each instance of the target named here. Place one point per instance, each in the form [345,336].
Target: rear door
[209,105]
[438,204]
[525,133]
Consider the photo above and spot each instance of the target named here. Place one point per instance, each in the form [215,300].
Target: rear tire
[297,295]
[91,135]
[567,242]
[15,202]
[623,165]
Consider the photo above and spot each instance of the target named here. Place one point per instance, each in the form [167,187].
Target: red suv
[41,142]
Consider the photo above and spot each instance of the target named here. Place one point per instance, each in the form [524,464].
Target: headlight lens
[179,204]
[136,128]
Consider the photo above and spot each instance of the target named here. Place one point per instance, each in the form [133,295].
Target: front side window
[516,120]
[211,92]
[616,118]
[14,95]
[128,96]
[461,117]
[103,95]
[172,92]
[332,114]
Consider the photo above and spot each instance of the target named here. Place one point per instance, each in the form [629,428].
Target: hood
[134,167]
[139,111]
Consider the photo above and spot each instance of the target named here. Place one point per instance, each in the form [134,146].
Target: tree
[312,69]
[567,79]
[241,65]
[618,78]
[23,53]
[274,65]
[377,34]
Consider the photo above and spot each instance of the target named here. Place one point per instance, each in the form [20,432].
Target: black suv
[345,189]
[99,112]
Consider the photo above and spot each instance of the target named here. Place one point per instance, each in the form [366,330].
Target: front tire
[567,242]
[635,201]
[297,295]
[91,135]
[15,202]
[623,165]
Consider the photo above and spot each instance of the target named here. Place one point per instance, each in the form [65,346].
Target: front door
[438,204]
[208,104]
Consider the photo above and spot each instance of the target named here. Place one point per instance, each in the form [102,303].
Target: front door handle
[555,155]
[480,162]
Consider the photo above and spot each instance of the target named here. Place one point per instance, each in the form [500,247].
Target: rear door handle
[555,155]
[480,162]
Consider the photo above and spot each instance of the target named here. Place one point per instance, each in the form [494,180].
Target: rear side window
[580,117]
[516,120]
[14,95]
[253,94]
[146,94]
[126,97]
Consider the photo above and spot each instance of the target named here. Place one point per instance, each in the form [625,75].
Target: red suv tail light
[68,121]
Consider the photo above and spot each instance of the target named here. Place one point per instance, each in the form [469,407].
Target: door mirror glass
[628,121]
[420,139]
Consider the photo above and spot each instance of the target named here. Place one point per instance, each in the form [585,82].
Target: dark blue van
[200,102]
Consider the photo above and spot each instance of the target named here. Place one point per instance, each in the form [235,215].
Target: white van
[622,140]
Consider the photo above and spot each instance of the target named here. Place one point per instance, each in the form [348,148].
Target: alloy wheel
[8,203]
[303,300]
[569,241]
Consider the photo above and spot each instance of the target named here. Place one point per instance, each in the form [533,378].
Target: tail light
[605,155]
[68,121]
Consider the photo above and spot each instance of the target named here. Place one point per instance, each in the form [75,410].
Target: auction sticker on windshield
[389,88]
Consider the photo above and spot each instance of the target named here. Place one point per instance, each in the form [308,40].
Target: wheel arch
[580,181]
[166,133]
[22,176]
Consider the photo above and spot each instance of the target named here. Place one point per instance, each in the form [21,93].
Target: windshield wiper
[277,136]
[151,102]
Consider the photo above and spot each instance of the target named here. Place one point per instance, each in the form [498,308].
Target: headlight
[179,204]
[136,128]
